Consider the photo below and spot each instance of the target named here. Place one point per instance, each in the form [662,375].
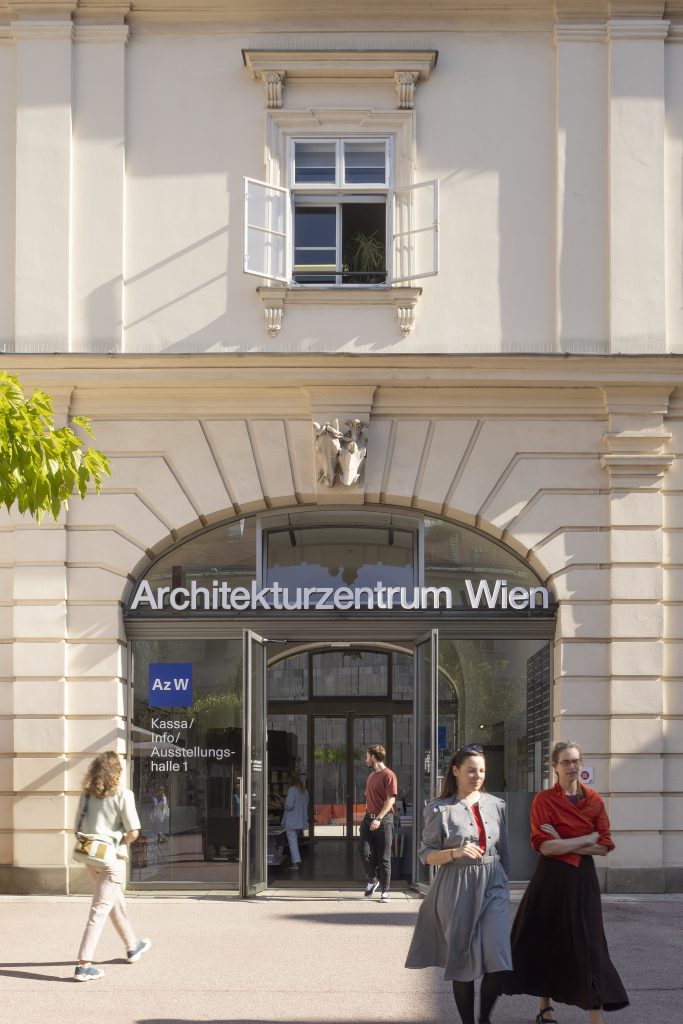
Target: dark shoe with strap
[541,1016]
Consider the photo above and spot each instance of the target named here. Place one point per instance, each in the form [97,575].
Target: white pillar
[582,169]
[636,461]
[43,181]
[636,183]
[98,192]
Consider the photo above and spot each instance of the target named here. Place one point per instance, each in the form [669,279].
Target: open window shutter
[415,231]
[266,235]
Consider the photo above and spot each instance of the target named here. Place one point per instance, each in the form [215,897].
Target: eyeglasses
[471,748]
[570,764]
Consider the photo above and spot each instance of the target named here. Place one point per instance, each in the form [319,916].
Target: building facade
[380,320]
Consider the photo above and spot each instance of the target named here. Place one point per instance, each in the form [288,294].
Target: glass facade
[187,764]
[335,556]
[322,705]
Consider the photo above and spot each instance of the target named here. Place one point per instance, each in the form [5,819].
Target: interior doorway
[326,706]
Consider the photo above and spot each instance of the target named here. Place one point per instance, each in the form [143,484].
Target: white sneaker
[370,888]
[86,972]
[385,897]
[141,946]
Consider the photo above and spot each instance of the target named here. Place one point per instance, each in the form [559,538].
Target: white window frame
[394,127]
[339,185]
[337,193]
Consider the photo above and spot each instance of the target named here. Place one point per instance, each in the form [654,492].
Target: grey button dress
[464,921]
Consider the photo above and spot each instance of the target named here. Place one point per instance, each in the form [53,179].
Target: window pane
[497,693]
[364,163]
[315,244]
[190,816]
[338,556]
[314,162]
[350,674]
[315,226]
[363,231]
[288,679]
[225,553]
[454,554]
[403,676]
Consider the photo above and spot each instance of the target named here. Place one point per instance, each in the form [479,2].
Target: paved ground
[289,958]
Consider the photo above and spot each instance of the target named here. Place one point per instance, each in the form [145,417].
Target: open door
[426,667]
[254,810]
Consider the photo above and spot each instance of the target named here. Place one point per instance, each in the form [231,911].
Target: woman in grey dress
[464,921]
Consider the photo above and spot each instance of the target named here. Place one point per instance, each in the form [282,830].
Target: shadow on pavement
[34,976]
[31,976]
[379,916]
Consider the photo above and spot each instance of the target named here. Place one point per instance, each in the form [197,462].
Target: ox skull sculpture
[339,455]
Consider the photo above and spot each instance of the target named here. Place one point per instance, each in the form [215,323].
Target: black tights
[464,997]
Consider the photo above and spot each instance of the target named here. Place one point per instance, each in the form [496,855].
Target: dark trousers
[375,850]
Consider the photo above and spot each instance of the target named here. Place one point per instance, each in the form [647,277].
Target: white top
[113,816]
[296,808]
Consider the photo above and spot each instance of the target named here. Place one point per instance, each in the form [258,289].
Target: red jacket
[551,807]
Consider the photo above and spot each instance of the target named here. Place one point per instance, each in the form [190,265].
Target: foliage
[221,709]
[41,467]
[364,254]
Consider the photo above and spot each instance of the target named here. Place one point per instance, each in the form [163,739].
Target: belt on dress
[488,858]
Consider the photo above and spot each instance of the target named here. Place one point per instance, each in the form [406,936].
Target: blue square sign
[170,684]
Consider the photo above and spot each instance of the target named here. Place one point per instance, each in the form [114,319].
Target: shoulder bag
[99,851]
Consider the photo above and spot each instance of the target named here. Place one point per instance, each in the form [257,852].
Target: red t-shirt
[379,787]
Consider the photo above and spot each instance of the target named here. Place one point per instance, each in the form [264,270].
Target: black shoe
[370,888]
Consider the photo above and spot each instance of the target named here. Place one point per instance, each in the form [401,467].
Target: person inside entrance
[377,827]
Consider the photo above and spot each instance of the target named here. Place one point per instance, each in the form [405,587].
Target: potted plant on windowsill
[364,260]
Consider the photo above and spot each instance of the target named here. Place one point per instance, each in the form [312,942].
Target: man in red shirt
[377,827]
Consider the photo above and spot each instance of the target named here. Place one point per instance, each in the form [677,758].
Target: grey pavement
[289,957]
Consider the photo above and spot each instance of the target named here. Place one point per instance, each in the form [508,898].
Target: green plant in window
[364,258]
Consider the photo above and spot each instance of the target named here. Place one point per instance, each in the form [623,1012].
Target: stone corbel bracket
[273,83]
[275,299]
[405,82]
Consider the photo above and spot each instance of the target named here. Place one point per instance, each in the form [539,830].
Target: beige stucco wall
[567,461]
[556,143]
[557,140]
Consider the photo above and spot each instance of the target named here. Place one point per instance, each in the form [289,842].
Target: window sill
[276,298]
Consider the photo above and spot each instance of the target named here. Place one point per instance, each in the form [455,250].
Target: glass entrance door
[340,772]
[254,810]
[426,667]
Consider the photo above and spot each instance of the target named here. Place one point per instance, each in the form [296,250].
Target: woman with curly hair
[106,809]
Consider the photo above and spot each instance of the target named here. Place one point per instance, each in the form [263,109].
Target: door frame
[250,886]
[373,710]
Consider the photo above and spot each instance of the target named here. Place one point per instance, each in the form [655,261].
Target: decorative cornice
[404,68]
[568,32]
[44,28]
[675,33]
[97,33]
[41,9]
[637,28]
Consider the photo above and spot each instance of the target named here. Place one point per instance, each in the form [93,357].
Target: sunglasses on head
[471,748]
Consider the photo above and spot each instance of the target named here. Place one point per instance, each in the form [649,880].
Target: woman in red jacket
[559,949]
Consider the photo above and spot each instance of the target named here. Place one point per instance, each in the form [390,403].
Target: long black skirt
[559,949]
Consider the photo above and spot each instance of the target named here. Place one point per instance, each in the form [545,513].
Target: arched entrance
[271,679]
